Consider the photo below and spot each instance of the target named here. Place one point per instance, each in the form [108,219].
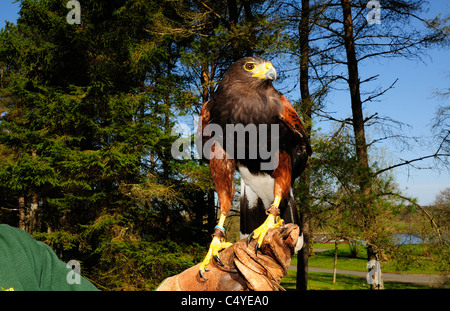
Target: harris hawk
[248,116]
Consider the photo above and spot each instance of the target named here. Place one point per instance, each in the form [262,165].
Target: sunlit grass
[323,281]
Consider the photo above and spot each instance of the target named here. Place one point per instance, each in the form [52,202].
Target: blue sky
[411,102]
[9,11]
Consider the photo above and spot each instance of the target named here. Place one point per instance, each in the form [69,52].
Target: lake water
[399,239]
[406,238]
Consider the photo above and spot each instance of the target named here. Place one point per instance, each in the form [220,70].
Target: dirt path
[414,278]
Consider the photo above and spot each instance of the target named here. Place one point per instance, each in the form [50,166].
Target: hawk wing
[291,119]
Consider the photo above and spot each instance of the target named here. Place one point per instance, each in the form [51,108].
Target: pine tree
[86,112]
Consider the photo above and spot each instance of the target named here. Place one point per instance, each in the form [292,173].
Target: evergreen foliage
[87,112]
[86,118]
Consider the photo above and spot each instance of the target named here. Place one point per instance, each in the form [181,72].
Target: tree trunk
[34,214]
[212,219]
[375,276]
[23,214]
[364,178]
[303,254]
[355,96]
[306,111]
[335,260]
[205,83]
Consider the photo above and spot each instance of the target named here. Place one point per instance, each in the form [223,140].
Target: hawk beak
[271,74]
[266,71]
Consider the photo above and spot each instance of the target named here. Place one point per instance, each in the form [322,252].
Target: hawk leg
[272,221]
[222,170]
[218,243]
[282,175]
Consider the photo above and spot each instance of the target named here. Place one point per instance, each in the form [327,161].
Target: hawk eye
[249,66]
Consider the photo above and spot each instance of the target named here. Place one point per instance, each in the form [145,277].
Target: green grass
[345,262]
[323,281]
[325,259]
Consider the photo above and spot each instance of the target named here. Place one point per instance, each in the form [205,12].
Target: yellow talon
[214,248]
[271,222]
[262,230]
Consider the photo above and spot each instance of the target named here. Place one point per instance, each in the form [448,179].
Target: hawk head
[246,94]
[250,70]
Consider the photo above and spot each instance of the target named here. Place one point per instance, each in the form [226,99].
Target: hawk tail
[253,211]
